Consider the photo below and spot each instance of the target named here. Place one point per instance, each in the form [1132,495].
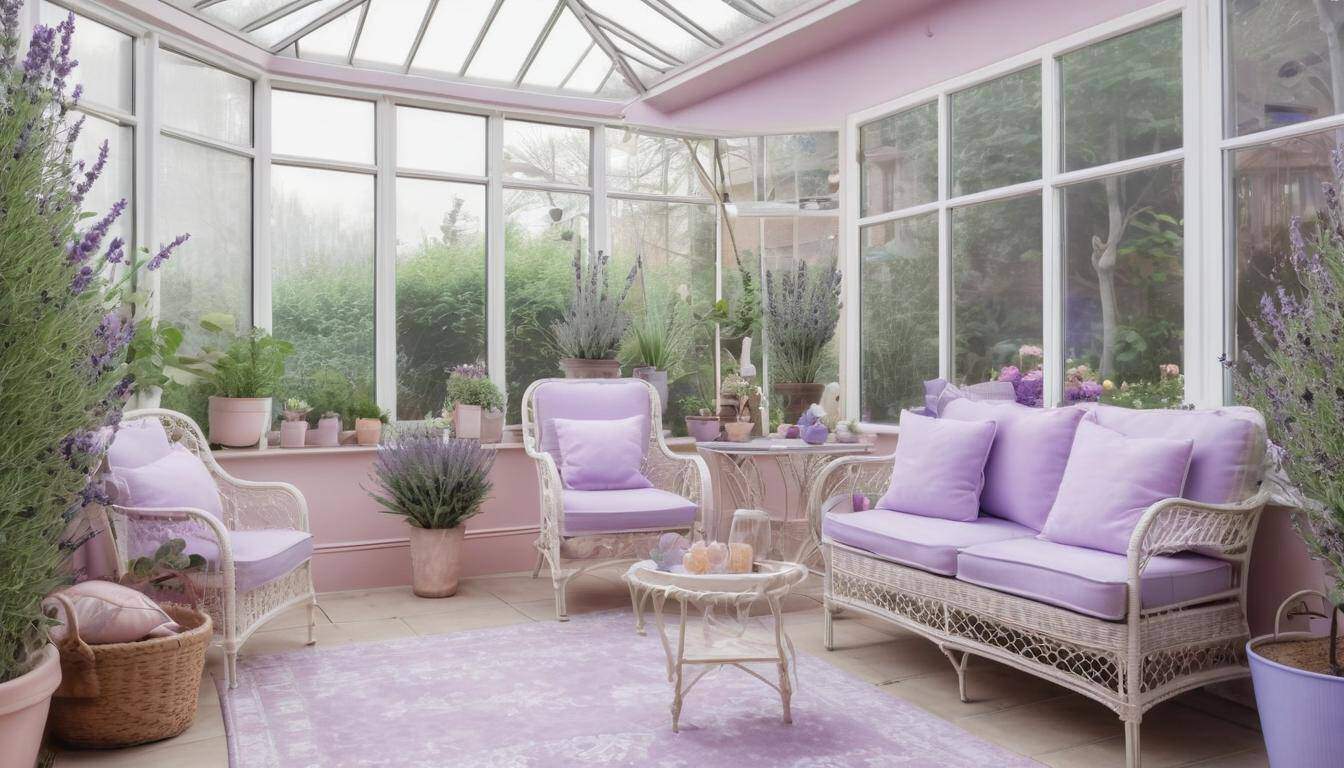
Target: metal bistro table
[722,641]
[798,464]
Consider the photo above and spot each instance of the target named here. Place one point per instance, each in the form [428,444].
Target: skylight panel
[715,17]
[565,48]
[510,38]
[633,55]
[642,21]
[615,87]
[389,31]
[590,73]
[450,35]
[331,42]
[292,22]
[239,13]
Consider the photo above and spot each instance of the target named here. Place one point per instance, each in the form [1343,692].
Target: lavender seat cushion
[1027,461]
[589,512]
[1227,463]
[927,543]
[175,481]
[259,557]
[602,454]
[1110,481]
[137,442]
[1088,581]
[939,467]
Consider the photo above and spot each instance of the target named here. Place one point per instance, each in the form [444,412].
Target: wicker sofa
[1127,630]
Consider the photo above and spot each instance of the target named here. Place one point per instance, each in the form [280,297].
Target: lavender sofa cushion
[602,454]
[1227,463]
[588,512]
[259,557]
[177,480]
[1026,463]
[939,467]
[1109,482]
[587,399]
[927,543]
[137,442]
[1086,580]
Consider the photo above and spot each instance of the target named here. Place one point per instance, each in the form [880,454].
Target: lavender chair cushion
[587,399]
[927,543]
[177,480]
[1026,463]
[1227,463]
[589,512]
[939,467]
[602,454]
[1086,580]
[259,557]
[137,442]
[1109,482]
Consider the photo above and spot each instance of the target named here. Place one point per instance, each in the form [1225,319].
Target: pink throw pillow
[601,454]
[110,613]
[137,443]
[939,467]
[1110,481]
[177,480]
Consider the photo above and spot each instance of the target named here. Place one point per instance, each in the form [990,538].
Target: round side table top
[768,576]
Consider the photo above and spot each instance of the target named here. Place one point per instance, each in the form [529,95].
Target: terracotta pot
[658,379]
[293,433]
[579,368]
[436,560]
[704,429]
[467,421]
[368,431]
[24,703]
[239,422]
[327,434]
[738,431]
[492,427]
[798,397]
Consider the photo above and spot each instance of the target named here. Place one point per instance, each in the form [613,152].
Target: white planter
[239,422]
[492,427]
[24,703]
[293,433]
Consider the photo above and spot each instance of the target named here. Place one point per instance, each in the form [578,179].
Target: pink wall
[923,47]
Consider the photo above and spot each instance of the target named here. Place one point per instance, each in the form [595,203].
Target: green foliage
[660,336]
[327,391]
[365,407]
[250,364]
[694,405]
[803,307]
[170,567]
[1158,393]
[468,390]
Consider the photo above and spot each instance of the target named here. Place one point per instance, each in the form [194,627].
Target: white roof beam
[420,34]
[581,12]
[316,24]
[540,41]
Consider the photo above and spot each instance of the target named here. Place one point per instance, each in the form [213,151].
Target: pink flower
[1169,370]
[1030,350]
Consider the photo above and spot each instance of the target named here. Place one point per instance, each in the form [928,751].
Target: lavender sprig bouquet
[802,310]
[596,320]
[432,482]
[1295,377]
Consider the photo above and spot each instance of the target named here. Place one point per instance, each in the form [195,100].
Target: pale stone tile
[397,602]
[1172,735]
[1047,726]
[296,616]
[990,687]
[885,662]
[468,618]
[203,753]
[1255,758]
[281,640]
[521,588]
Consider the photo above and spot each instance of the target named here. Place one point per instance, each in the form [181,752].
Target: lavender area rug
[586,693]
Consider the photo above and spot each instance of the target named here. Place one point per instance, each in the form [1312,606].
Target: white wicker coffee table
[723,639]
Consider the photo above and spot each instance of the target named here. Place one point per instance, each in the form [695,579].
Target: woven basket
[121,694]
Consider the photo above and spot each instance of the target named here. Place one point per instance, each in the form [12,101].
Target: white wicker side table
[714,646]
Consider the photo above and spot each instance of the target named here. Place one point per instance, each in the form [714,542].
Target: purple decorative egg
[807,419]
[861,502]
[815,434]
[792,432]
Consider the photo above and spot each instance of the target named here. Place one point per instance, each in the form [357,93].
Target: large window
[899,299]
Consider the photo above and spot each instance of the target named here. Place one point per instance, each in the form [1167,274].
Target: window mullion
[1052,268]
[385,253]
[946,295]
[494,265]
[261,205]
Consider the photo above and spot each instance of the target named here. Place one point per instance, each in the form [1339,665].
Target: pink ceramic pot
[703,428]
[24,702]
[578,368]
[239,422]
[327,434]
[436,560]
[368,431]
[293,433]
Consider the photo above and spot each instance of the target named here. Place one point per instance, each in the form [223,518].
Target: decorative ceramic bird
[830,403]
[744,366]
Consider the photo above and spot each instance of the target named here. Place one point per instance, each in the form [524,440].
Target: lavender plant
[1295,377]
[430,481]
[595,322]
[802,310]
[64,328]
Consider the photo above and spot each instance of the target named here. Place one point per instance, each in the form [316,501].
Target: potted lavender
[802,311]
[436,485]
[1294,378]
[589,335]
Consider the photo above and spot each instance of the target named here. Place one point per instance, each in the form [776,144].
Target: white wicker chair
[567,556]
[1129,666]
[247,506]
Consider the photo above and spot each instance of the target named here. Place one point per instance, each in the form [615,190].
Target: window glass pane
[804,168]
[542,232]
[441,313]
[211,272]
[745,294]
[506,44]
[118,179]
[655,165]
[996,279]
[898,297]
[450,35]
[429,140]
[273,33]
[325,127]
[1122,97]
[331,42]
[676,241]
[544,152]
[1124,294]
[1279,63]
[322,240]
[204,100]
[106,58]
[785,240]
[996,133]
[899,160]
[651,26]
[566,44]
[742,162]
[390,27]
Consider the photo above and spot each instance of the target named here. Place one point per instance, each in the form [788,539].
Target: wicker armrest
[1177,525]
[549,485]
[256,505]
[171,515]
[686,475]
[847,475]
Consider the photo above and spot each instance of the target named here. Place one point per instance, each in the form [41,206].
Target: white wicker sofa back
[1120,629]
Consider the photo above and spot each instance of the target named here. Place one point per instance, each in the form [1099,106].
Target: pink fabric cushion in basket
[138,442]
[939,467]
[177,480]
[601,454]
[1110,481]
[110,613]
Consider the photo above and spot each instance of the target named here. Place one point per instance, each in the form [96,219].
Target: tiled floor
[1016,710]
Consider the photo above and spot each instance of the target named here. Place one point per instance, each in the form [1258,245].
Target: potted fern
[436,485]
[243,373]
[802,311]
[369,420]
[590,333]
[658,341]
[476,403]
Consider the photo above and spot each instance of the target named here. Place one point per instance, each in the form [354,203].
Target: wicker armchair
[568,553]
[1129,665]
[254,509]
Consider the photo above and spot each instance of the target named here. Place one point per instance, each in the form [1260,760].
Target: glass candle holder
[751,527]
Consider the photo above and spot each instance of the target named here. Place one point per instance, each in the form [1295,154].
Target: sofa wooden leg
[561,610]
[959,661]
[1131,744]
[828,629]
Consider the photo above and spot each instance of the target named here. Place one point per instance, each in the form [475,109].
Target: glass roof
[604,48]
